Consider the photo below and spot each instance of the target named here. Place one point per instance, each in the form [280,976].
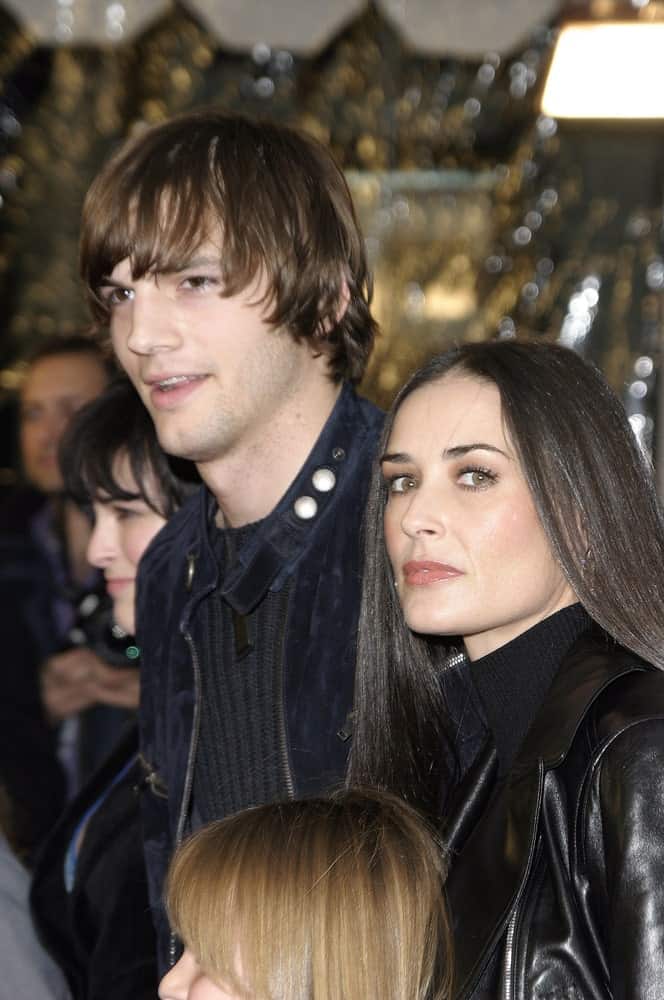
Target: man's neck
[249,481]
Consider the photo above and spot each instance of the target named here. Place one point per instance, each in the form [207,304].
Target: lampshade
[607,70]
[85,22]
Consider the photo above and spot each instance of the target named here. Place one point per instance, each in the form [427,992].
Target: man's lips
[167,391]
[422,572]
[169,380]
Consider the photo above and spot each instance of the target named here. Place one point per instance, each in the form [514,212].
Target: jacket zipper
[191,759]
[509,957]
[281,720]
[508,964]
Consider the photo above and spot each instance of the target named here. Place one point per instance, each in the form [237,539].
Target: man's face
[54,389]
[215,377]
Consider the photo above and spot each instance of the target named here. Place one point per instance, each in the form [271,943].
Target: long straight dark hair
[594,491]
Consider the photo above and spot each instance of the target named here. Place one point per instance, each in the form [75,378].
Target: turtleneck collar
[512,682]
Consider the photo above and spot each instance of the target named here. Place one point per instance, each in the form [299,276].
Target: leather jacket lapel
[469,799]
[495,856]
[485,880]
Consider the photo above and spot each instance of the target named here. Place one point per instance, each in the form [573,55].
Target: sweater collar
[513,680]
[267,558]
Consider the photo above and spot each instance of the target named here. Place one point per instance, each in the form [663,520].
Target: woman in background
[509,669]
[89,894]
[335,898]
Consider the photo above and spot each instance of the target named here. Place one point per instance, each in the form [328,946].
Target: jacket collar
[496,857]
[593,662]
[274,550]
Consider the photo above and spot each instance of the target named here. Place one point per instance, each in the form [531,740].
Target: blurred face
[122,531]
[54,389]
[468,552]
[187,981]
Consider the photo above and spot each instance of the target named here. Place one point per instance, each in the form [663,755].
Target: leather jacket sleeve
[624,848]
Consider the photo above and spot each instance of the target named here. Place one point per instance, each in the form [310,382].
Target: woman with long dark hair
[511,641]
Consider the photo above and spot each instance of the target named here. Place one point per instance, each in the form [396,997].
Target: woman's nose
[102,546]
[423,514]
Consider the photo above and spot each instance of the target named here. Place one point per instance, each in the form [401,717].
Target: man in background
[44,578]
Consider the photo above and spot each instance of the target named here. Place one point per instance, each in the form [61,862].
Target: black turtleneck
[512,682]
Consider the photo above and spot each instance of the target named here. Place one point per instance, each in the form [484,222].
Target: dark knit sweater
[512,682]
[241,759]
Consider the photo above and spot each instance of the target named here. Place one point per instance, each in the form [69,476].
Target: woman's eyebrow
[395,456]
[457,451]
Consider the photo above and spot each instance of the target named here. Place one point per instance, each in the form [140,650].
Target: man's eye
[112,297]
[200,282]
[29,415]
[401,484]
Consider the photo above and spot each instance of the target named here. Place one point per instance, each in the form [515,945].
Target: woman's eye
[476,479]
[122,513]
[401,484]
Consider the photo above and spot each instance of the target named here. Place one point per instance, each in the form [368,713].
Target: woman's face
[468,552]
[187,981]
[122,531]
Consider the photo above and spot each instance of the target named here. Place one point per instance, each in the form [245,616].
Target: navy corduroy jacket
[321,555]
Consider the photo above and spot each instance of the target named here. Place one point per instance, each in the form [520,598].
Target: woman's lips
[116,586]
[422,572]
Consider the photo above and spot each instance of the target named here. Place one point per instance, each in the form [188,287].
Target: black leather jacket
[559,867]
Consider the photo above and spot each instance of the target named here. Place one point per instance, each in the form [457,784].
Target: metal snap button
[305,508]
[324,480]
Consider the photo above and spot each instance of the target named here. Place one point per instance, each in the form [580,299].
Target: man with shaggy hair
[225,258]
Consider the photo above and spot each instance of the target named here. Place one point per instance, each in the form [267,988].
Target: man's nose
[151,326]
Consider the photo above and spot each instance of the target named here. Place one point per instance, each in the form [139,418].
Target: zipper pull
[189,575]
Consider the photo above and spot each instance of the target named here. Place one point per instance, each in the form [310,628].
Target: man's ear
[344,300]
[342,306]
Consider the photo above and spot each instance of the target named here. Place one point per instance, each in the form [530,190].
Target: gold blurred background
[483,217]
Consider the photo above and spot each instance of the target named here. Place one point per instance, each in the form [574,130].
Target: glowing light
[607,70]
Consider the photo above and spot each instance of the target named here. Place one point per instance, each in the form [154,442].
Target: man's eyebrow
[107,282]
[205,261]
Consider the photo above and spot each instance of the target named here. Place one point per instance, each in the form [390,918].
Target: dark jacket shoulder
[538,853]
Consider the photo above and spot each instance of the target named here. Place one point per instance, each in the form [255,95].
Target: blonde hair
[337,898]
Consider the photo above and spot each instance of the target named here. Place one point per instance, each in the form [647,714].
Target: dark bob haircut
[275,200]
[113,423]
[594,491]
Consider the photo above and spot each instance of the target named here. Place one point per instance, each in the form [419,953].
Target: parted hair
[594,491]
[275,200]
[337,898]
[113,424]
